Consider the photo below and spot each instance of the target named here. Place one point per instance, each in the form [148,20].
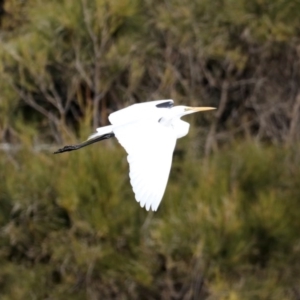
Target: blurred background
[228,226]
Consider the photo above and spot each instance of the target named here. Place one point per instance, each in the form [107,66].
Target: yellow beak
[195,109]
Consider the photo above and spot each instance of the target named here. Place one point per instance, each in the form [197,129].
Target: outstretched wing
[138,111]
[150,147]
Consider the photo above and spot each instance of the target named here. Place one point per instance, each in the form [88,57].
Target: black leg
[84,144]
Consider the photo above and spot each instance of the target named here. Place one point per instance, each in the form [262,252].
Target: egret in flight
[148,132]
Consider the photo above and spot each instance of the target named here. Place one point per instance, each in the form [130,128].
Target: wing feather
[150,147]
[138,111]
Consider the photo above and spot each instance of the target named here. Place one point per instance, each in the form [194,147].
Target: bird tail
[101,131]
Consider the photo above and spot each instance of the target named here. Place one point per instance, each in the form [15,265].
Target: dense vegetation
[228,227]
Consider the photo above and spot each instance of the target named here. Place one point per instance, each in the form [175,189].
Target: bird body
[148,132]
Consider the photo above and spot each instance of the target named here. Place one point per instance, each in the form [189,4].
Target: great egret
[148,132]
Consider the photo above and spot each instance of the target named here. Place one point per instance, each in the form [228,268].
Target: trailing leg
[86,143]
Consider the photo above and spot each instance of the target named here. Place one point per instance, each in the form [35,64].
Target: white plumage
[150,148]
[148,132]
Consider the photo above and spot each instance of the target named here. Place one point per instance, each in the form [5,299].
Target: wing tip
[148,206]
[145,203]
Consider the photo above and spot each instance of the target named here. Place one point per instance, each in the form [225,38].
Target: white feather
[150,147]
[135,112]
[101,131]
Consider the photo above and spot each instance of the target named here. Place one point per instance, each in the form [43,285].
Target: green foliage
[227,227]
[69,55]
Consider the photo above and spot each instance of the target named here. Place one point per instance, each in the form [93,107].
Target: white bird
[148,132]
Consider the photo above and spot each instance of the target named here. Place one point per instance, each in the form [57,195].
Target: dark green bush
[227,227]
